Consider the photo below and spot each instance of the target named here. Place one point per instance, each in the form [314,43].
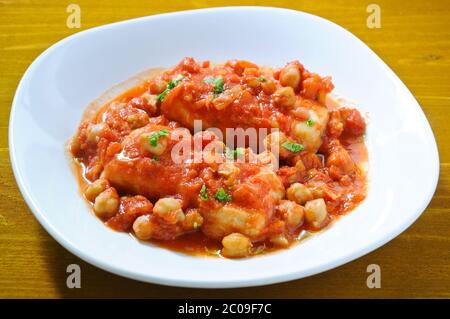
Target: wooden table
[414,40]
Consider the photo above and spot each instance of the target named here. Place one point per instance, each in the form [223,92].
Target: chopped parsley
[310,122]
[293,147]
[239,151]
[203,193]
[154,137]
[222,196]
[233,154]
[155,158]
[262,79]
[172,83]
[218,84]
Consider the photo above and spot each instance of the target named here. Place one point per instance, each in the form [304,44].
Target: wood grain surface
[414,40]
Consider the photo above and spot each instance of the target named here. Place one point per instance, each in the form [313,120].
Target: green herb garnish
[203,193]
[239,151]
[218,84]
[293,147]
[172,83]
[262,79]
[309,122]
[222,196]
[233,154]
[153,139]
[155,158]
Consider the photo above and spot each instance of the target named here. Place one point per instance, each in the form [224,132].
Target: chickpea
[193,220]
[280,240]
[159,148]
[169,209]
[94,189]
[137,120]
[291,212]
[228,219]
[284,97]
[240,65]
[94,131]
[290,76]
[310,136]
[143,227]
[316,212]
[251,77]
[251,71]
[299,193]
[269,86]
[106,204]
[165,205]
[236,245]
[253,82]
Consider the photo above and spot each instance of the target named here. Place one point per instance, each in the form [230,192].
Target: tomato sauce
[124,151]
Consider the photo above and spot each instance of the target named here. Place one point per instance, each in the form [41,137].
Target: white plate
[59,84]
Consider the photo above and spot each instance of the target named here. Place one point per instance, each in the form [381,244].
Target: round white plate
[60,83]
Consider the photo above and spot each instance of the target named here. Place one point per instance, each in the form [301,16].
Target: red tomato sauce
[125,165]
